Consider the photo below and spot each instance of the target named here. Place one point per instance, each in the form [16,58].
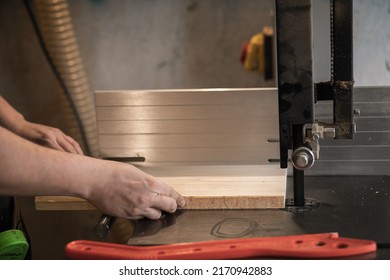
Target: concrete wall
[168,44]
[371,42]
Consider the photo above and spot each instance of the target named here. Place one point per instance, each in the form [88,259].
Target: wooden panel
[62,203]
[206,187]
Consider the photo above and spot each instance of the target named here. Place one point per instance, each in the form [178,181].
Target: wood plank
[62,203]
[206,187]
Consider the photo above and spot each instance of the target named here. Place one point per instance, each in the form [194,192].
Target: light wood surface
[62,203]
[206,187]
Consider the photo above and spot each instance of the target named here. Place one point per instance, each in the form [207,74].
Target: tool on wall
[257,54]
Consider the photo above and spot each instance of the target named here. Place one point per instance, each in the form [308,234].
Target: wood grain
[206,187]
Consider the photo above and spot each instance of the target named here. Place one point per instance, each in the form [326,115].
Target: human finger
[164,203]
[171,192]
[152,213]
[66,145]
[50,143]
[75,144]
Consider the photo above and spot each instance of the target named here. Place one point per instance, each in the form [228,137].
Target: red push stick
[324,245]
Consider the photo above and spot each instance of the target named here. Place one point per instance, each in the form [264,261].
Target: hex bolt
[301,160]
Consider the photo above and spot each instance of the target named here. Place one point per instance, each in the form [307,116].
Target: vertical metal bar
[342,72]
[295,64]
[269,57]
[299,187]
[298,175]
[342,39]
[295,80]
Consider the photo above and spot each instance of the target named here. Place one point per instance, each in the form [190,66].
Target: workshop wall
[168,44]
[372,42]
[371,48]
[26,80]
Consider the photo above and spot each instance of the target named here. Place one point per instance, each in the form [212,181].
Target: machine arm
[299,131]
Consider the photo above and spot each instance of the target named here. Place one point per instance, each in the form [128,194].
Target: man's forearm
[29,169]
[117,189]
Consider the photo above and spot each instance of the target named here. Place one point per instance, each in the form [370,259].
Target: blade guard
[325,245]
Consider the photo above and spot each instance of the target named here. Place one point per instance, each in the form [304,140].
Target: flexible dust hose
[58,35]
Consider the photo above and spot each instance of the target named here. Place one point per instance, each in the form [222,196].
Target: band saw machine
[356,206]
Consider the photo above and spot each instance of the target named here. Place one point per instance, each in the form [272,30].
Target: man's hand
[44,135]
[128,192]
[48,136]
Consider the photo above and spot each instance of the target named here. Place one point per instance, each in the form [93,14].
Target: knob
[302,158]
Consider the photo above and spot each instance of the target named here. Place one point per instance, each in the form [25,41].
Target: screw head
[315,137]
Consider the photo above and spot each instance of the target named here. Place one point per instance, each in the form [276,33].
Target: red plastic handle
[325,245]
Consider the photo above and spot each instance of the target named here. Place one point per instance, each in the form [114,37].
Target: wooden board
[206,187]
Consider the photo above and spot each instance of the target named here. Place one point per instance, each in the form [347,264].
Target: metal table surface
[353,206]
